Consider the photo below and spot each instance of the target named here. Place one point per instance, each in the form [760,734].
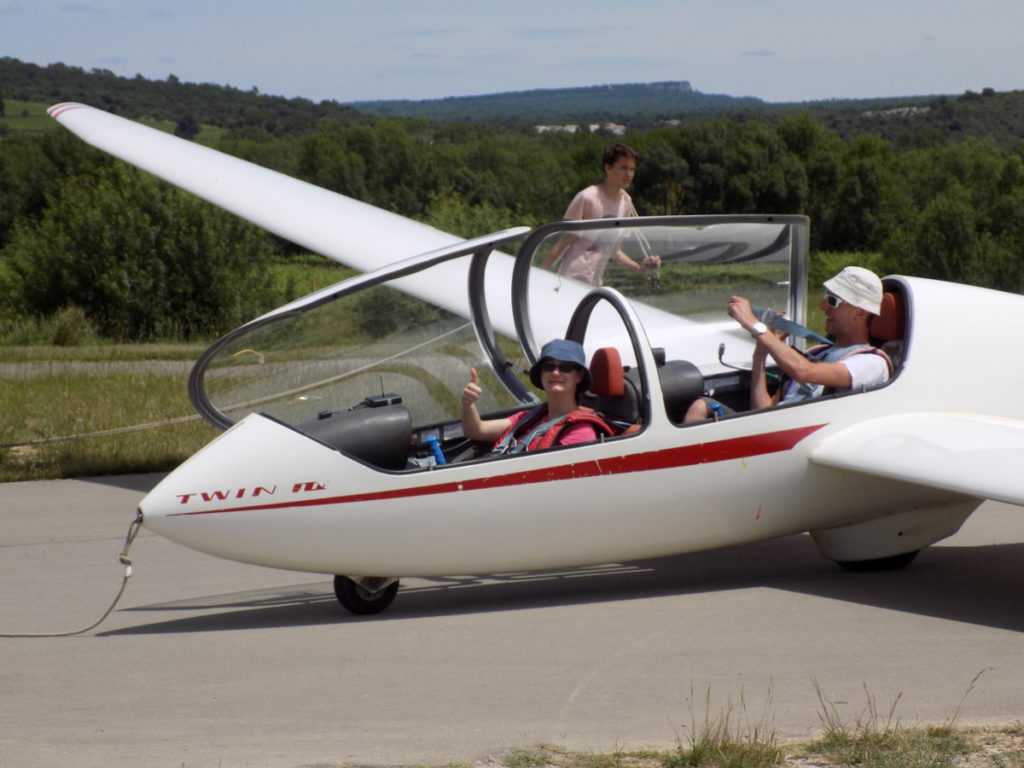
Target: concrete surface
[211,663]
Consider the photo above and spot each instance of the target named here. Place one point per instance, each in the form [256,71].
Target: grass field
[25,116]
[99,407]
[29,117]
[70,418]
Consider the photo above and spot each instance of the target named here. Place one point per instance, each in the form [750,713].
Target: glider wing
[966,453]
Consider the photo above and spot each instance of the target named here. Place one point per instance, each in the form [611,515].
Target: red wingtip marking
[58,110]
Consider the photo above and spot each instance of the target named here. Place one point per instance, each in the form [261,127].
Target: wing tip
[59,110]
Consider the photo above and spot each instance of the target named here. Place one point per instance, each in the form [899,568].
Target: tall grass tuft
[875,738]
[731,738]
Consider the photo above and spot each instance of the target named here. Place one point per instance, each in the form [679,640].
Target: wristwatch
[757,329]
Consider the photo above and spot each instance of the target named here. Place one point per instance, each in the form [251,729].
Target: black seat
[615,391]
[681,383]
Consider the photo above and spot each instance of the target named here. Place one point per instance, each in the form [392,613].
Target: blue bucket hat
[567,351]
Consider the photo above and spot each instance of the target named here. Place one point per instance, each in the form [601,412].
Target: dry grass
[873,738]
[114,419]
[990,747]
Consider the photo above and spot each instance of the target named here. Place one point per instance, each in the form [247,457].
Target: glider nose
[257,465]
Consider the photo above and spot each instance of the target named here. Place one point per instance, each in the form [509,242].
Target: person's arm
[759,395]
[473,426]
[792,363]
[651,260]
[575,212]
[621,257]
[556,251]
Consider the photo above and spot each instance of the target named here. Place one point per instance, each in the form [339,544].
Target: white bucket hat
[857,286]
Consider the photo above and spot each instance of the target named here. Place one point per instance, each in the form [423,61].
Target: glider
[342,452]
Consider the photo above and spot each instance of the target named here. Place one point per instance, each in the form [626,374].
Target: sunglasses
[832,301]
[549,366]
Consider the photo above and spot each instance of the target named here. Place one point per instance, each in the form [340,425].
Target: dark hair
[614,151]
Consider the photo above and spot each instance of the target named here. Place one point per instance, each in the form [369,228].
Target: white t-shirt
[866,370]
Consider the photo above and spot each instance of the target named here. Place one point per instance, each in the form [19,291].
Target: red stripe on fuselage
[683,456]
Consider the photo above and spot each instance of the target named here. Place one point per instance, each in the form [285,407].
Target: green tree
[859,197]
[739,168]
[187,127]
[660,185]
[33,166]
[450,213]
[385,164]
[142,259]
[942,243]
[327,161]
[963,215]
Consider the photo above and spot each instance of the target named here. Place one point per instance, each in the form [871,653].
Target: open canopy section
[678,273]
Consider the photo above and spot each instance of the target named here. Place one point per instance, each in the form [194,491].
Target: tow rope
[133,531]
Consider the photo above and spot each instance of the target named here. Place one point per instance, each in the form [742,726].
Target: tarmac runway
[210,663]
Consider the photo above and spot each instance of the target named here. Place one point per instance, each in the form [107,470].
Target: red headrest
[890,322]
[606,373]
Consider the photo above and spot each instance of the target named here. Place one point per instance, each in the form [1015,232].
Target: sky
[779,51]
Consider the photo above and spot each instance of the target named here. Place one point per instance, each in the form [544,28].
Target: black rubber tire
[880,564]
[356,599]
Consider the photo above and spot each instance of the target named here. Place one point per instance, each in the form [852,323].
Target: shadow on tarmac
[977,585]
[143,483]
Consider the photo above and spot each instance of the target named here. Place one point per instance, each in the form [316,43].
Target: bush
[70,327]
[140,259]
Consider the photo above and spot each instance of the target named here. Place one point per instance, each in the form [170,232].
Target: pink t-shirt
[589,203]
[587,258]
[571,435]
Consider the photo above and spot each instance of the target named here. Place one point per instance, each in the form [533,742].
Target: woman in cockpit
[562,373]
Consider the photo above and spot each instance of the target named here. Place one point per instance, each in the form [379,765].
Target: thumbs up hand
[472,391]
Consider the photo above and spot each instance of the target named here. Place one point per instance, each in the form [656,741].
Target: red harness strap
[535,432]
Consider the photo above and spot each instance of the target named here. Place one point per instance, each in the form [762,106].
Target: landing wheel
[881,563]
[365,596]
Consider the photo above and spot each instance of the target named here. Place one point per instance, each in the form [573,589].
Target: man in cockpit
[850,363]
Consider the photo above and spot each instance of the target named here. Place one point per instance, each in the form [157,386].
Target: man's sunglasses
[832,301]
[549,366]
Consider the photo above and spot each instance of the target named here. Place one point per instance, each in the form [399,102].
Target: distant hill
[989,115]
[640,105]
[909,120]
[620,103]
[924,120]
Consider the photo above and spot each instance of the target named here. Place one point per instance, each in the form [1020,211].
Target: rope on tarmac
[103,432]
[133,531]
